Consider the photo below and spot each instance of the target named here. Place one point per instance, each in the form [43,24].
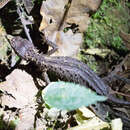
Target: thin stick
[19,8]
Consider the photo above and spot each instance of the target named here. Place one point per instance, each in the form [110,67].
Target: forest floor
[95,32]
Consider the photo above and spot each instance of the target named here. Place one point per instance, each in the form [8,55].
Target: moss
[90,61]
[106,24]
[103,30]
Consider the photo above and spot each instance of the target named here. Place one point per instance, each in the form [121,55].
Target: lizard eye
[13,40]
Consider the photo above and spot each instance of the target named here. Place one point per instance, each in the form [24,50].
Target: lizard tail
[112,98]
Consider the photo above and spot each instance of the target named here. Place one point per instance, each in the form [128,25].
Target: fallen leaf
[52,13]
[27,118]
[99,52]
[126,39]
[55,20]
[93,124]
[68,43]
[86,112]
[20,90]
[63,96]
[117,124]
[78,14]
[94,4]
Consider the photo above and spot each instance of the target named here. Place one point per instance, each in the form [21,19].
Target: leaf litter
[66,37]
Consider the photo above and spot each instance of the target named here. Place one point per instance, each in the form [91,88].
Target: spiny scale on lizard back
[26,50]
[23,48]
[66,68]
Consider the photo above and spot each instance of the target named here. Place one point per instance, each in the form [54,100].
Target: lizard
[66,68]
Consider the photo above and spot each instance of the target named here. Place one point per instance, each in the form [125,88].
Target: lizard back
[65,68]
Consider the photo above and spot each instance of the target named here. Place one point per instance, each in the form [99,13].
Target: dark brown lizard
[65,68]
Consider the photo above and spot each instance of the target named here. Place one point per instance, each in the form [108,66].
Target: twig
[111,76]
[24,21]
[115,92]
[65,14]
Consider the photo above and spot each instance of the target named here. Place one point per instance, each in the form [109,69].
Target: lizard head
[21,46]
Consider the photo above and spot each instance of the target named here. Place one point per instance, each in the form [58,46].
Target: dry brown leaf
[127,91]
[93,4]
[127,62]
[53,11]
[126,39]
[27,118]
[93,124]
[78,14]
[21,89]
[68,43]
[53,15]
[21,94]
[99,52]
[117,124]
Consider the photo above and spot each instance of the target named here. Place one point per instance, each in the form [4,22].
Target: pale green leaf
[69,96]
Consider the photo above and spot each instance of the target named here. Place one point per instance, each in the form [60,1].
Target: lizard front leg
[54,47]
